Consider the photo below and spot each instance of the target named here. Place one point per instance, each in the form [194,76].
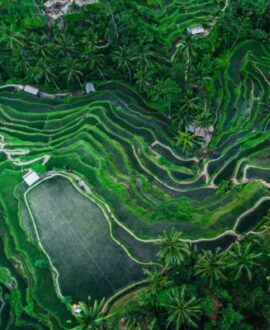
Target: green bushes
[174,210]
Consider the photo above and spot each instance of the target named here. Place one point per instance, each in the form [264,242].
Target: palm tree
[187,45]
[65,45]
[199,77]
[156,280]
[10,37]
[190,104]
[172,250]
[21,63]
[144,80]
[89,39]
[91,316]
[185,140]
[242,260]
[143,313]
[110,10]
[204,121]
[211,266]
[39,45]
[189,107]
[156,283]
[94,60]
[137,316]
[143,57]
[165,92]
[44,71]
[123,59]
[71,70]
[183,310]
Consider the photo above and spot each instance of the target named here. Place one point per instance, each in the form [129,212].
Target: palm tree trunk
[115,26]
[101,73]
[55,84]
[129,74]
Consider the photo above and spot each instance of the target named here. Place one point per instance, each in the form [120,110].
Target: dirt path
[13,154]
[216,19]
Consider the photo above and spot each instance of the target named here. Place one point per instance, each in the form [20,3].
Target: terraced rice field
[177,15]
[122,162]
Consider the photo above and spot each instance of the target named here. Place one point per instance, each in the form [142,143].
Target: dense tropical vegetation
[190,215]
[124,40]
[203,289]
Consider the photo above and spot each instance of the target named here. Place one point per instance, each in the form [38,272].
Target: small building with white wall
[90,88]
[196,30]
[31,90]
[30,178]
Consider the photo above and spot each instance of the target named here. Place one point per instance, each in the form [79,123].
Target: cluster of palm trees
[50,60]
[190,114]
[193,105]
[191,289]
[137,63]
[59,58]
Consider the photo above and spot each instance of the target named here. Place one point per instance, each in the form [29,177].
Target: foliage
[180,76]
[211,298]
[183,310]
[185,140]
[91,316]
[180,209]
[172,250]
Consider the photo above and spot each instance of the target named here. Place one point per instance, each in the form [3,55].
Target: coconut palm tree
[204,121]
[123,59]
[242,261]
[157,281]
[143,57]
[94,61]
[187,45]
[65,45]
[182,309]
[143,313]
[71,70]
[199,76]
[185,140]
[21,63]
[165,93]
[89,39]
[44,72]
[39,45]
[190,104]
[137,316]
[110,11]
[188,109]
[211,266]
[91,316]
[10,37]
[144,80]
[172,250]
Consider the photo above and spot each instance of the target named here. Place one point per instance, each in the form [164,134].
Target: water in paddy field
[253,219]
[76,236]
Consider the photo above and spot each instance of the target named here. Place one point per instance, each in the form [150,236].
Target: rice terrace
[134,164]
